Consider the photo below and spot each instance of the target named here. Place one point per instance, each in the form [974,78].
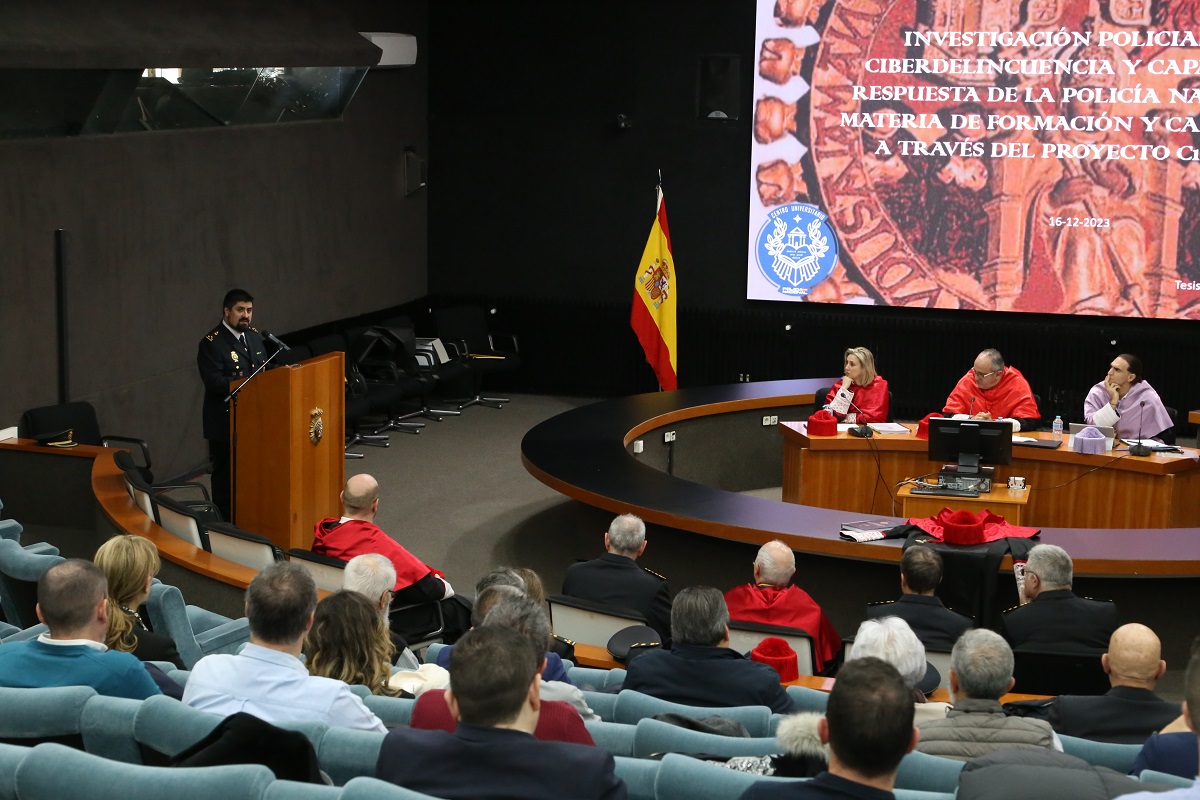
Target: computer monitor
[970,442]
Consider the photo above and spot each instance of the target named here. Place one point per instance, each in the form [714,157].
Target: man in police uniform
[1055,619]
[936,626]
[615,578]
[232,350]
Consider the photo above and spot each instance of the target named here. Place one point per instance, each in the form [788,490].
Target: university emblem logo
[796,249]
[655,281]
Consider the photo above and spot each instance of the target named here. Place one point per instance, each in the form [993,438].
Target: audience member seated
[700,669]
[868,726]
[349,642]
[373,576]
[616,579]
[936,626]
[1055,619]
[981,667]
[73,603]
[769,600]
[991,390]
[536,589]
[1130,711]
[1180,746]
[129,564]
[891,640]
[356,533]
[267,678]
[563,706]
[494,695]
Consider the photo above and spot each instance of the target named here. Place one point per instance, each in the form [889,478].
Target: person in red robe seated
[991,390]
[870,391]
[769,600]
[356,533]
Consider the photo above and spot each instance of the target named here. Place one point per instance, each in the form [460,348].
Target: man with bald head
[1130,711]
[770,600]
[355,533]
[993,390]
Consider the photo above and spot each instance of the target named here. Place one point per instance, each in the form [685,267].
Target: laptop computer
[1109,434]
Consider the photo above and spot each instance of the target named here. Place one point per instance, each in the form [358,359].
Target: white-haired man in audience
[981,667]
[267,678]
[700,669]
[868,726]
[616,579]
[373,576]
[770,599]
[892,640]
[1055,619]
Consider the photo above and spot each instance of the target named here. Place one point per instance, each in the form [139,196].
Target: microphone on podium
[275,340]
[1141,448]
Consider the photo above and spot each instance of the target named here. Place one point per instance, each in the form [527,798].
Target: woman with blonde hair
[130,562]
[869,391]
[349,641]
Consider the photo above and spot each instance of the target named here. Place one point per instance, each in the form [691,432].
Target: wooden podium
[284,482]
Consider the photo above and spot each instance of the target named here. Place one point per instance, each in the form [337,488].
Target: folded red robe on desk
[965,527]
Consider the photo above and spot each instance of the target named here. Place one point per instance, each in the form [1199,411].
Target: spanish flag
[655,295]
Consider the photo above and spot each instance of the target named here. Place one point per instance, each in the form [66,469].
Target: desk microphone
[275,340]
[863,431]
[1141,448]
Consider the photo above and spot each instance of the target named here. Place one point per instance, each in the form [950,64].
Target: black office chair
[1168,436]
[486,353]
[362,400]
[1041,672]
[79,417]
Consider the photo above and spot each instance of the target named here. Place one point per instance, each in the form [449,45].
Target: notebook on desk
[1046,444]
[1109,434]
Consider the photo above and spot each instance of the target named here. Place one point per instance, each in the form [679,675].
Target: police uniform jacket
[936,626]
[221,358]
[617,580]
[1058,621]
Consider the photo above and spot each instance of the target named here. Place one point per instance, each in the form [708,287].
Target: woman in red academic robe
[870,391]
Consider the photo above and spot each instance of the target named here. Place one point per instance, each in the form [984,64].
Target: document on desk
[888,427]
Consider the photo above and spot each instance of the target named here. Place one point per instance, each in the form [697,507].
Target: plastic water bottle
[1056,429]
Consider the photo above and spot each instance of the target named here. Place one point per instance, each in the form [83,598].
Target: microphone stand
[863,430]
[1141,448]
[233,398]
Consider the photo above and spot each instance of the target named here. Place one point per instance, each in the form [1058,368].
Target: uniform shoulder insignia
[881,603]
[655,574]
[212,337]
[254,329]
[564,639]
[1014,608]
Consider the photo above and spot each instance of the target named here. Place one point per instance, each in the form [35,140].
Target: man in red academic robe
[356,533]
[769,600]
[991,390]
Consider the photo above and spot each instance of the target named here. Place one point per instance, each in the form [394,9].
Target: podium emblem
[316,425]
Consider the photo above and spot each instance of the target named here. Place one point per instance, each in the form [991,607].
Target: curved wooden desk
[1113,490]
[583,453]
[79,494]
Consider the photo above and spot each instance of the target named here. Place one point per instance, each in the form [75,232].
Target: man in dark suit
[701,669]
[1055,619]
[1130,711]
[936,626]
[233,349]
[494,695]
[615,579]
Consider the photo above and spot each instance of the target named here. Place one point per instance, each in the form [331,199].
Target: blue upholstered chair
[164,727]
[31,716]
[196,632]
[807,699]
[633,706]
[372,789]
[1165,778]
[653,736]
[11,756]
[614,737]
[107,727]
[684,778]
[19,574]
[291,790]
[23,634]
[603,703]
[923,772]
[392,710]
[345,754]
[7,630]
[52,772]
[1102,754]
[639,775]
